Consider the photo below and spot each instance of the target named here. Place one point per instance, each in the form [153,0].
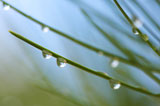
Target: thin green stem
[83,68]
[140,33]
[92,48]
[110,22]
[77,41]
[144,25]
[148,16]
[146,70]
[107,36]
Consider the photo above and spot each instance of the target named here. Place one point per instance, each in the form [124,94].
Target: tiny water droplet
[114,84]
[6,7]
[137,22]
[45,28]
[100,53]
[46,54]
[135,31]
[103,73]
[61,62]
[114,63]
[145,37]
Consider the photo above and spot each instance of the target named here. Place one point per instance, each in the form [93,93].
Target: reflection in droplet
[61,62]
[103,73]
[114,63]
[114,84]
[135,31]
[100,53]
[145,37]
[137,22]
[46,54]
[45,29]
[6,7]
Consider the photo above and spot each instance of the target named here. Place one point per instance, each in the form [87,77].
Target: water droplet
[145,37]
[61,62]
[137,22]
[45,29]
[135,31]
[100,53]
[114,63]
[46,54]
[6,7]
[103,73]
[114,84]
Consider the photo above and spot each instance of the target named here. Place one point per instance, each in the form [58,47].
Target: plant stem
[148,16]
[130,55]
[140,33]
[92,48]
[99,74]
[144,25]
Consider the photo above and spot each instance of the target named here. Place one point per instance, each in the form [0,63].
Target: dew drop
[100,53]
[103,73]
[114,63]
[135,31]
[46,54]
[137,22]
[61,62]
[145,37]
[45,29]
[114,84]
[6,7]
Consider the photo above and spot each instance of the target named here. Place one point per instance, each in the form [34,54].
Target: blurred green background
[27,79]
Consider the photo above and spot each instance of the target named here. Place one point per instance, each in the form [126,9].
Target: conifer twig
[148,16]
[146,70]
[83,68]
[140,33]
[92,48]
[144,25]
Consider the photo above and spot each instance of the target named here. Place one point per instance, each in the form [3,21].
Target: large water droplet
[6,7]
[145,37]
[135,31]
[46,54]
[61,62]
[137,22]
[114,63]
[45,28]
[114,84]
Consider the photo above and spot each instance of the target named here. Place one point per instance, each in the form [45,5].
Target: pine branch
[108,20]
[144,25]
[148,16]
[107,36]
[83,68]
[143,36]
[97,50]
[146,70]
[92,48]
